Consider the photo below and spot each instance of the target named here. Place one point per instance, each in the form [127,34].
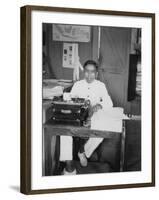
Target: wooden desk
[51,130]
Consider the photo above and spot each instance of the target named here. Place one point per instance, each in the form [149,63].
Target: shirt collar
[90,83]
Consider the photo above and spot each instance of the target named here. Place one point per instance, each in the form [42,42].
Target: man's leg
[91,146]
[69,168]
[66,143]
[87,149]
[81,153]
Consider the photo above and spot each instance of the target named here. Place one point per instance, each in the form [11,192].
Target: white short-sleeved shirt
[96,92]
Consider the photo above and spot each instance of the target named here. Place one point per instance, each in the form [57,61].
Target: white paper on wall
[71,59]
[71,33]
[69,54]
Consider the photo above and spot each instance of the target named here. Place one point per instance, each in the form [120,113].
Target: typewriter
[72,112]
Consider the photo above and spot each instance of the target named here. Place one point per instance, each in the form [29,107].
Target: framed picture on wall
[87,99]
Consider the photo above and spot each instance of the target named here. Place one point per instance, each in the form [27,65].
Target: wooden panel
[115,86]
[132,77]
[114,48]
[68,130]
[133,146]
[114,62]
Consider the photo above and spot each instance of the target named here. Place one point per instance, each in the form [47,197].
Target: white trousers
[110,120]
[66,147]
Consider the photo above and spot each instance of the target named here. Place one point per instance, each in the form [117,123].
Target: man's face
[90,73]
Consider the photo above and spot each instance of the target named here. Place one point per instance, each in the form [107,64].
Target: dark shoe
[65,172]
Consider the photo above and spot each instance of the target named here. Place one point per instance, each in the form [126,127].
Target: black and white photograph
[87,118]
[91,103]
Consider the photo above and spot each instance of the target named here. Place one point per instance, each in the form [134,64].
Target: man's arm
[105,100]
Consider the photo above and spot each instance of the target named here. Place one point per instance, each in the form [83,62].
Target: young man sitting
[94,90]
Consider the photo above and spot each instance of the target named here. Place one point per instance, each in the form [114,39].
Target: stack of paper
[49,93]
[108,120]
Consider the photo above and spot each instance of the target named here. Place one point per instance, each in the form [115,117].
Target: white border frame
[39,182]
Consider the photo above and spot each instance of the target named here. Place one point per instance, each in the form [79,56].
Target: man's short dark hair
[90,62]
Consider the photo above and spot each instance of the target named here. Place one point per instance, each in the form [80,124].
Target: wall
[114,62]
[55,53]
[10,103]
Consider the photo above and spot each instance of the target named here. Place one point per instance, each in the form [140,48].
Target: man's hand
[96,107]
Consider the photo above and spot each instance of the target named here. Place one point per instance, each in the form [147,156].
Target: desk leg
[49,149]
[53,152]
[43,153]
[122,154]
